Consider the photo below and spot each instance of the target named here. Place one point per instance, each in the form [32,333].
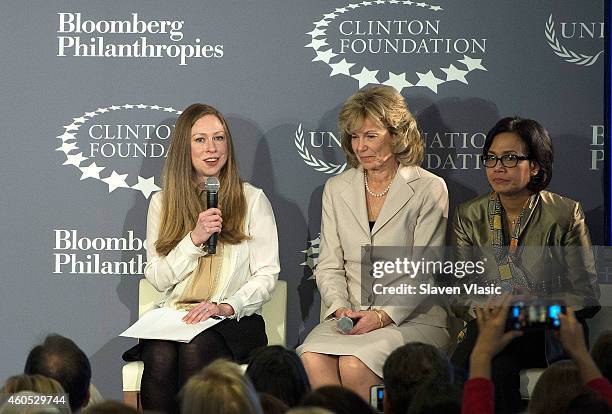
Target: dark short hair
[602,354]
[279,372]
[338,400]
[272,405]
[434,397]
[588,402]
[536,140]
[61,359]
[409,367]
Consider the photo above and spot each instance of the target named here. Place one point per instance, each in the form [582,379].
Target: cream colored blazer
[415,213]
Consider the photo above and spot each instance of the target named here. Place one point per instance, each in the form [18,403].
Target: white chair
[529,378]
[274,313]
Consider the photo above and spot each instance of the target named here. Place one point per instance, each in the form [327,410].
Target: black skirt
[241,337]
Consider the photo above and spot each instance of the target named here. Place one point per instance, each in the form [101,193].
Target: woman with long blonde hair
[234,282]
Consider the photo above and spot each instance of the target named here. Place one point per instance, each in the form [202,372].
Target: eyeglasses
[507,160]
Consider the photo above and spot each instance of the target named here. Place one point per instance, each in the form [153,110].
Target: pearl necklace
[373,194]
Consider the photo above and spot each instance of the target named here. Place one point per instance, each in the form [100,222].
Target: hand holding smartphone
[533,315]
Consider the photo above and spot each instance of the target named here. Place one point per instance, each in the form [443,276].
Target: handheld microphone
[344,325]
[212,188]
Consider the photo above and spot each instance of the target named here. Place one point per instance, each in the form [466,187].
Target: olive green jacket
[554,246]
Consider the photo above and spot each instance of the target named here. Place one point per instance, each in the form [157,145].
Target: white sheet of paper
[167,324]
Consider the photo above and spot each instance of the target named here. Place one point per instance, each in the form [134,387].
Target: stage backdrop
[91,91]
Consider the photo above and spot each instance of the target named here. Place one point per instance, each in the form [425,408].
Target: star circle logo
[457,71]
[113,178]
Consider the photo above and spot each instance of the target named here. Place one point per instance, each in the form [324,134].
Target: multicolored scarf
[506,247]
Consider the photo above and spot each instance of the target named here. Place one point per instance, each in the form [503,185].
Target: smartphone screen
[553,315]
[534,315]
[377,393]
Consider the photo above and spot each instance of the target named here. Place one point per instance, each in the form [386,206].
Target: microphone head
[344,324]
[212,184]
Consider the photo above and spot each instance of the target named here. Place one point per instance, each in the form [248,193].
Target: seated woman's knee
[349,363]
[160,355]
[311,358]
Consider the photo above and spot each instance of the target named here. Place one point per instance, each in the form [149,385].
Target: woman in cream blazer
[385,200]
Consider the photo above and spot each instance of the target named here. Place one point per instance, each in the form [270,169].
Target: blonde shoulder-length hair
[35,383]
[387,107]
[221,387]
[182,200]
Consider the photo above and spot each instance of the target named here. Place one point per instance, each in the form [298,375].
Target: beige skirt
[374,347]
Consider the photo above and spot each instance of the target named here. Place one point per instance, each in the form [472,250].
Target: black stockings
[168,365]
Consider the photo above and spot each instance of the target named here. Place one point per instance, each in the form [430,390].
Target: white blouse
[249,270]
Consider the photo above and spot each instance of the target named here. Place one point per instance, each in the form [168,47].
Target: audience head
[556,387]
[338,400]
[588,402]
[309,410]
[219,388]
[61,359]
[31,408]
[602,354]
[533,142]
[386,108]
[35,383]
[272,405]
[408,367]
[435,397]
[278,371]
[110,407]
